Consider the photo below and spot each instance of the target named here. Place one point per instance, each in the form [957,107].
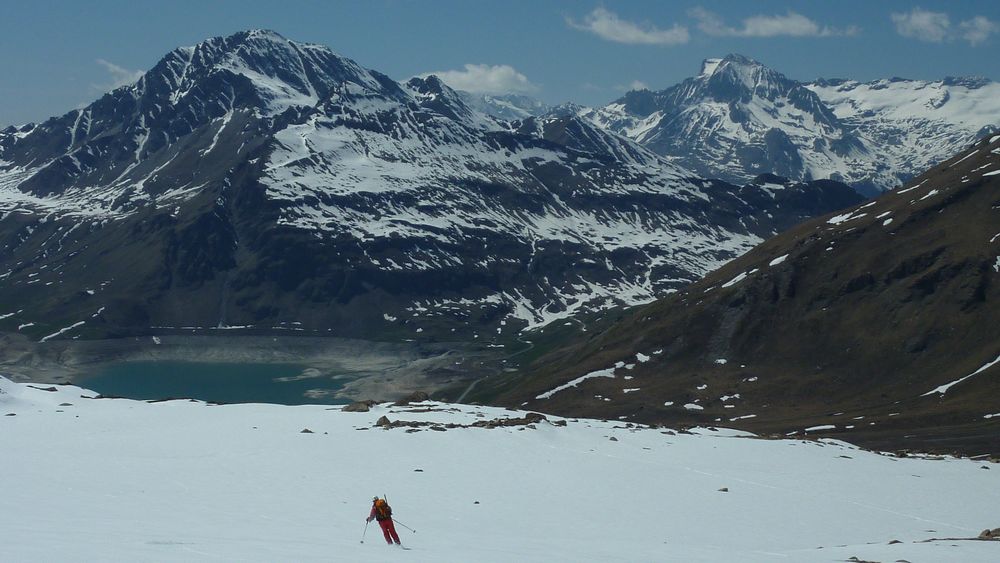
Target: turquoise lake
[286,384]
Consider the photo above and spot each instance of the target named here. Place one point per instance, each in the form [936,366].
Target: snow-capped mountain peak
[737,70]
[735,120]
[277,179]
[739,118]
[739,78]
[282,73]
[432,93]
[508,107]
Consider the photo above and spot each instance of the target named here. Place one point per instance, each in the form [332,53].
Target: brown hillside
[866,315]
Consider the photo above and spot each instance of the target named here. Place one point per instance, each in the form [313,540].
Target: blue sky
[55,56]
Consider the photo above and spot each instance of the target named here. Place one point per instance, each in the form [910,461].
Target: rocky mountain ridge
[256,183]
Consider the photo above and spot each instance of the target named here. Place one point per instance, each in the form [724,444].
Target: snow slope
[914,124]
[117,480]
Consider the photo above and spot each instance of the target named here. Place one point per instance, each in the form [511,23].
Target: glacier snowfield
[88,479]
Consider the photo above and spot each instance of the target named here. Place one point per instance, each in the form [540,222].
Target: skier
[383,514]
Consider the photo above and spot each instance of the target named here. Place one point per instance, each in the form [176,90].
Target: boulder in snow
[988,534]
[415,397]
[360,406]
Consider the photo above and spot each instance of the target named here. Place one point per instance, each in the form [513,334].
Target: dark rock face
[415,397]
[875,325]
[252,181]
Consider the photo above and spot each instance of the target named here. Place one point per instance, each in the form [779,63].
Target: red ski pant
[389,531]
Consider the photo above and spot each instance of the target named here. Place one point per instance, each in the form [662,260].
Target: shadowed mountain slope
[878,325]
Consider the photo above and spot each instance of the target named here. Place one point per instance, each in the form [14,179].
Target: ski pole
[404,525]
[365,532]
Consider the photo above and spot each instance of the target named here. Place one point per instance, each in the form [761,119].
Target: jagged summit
[734,62]
[737,78]
[739,118]
[281,73]
[712,65]
[114,146]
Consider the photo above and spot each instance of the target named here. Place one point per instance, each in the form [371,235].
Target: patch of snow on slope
[845,217]
[777,260]
[942,389]
[738,278]
[971,154]
[63,331]
[609,372]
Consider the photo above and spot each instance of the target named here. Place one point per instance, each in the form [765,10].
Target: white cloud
[710,23]
[634,85]
[119,76]
[935,27]
[607,25]
[486,79]
[978,30]
[790,24]
[923,25]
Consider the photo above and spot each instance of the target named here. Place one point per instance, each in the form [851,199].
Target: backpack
[382,510]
